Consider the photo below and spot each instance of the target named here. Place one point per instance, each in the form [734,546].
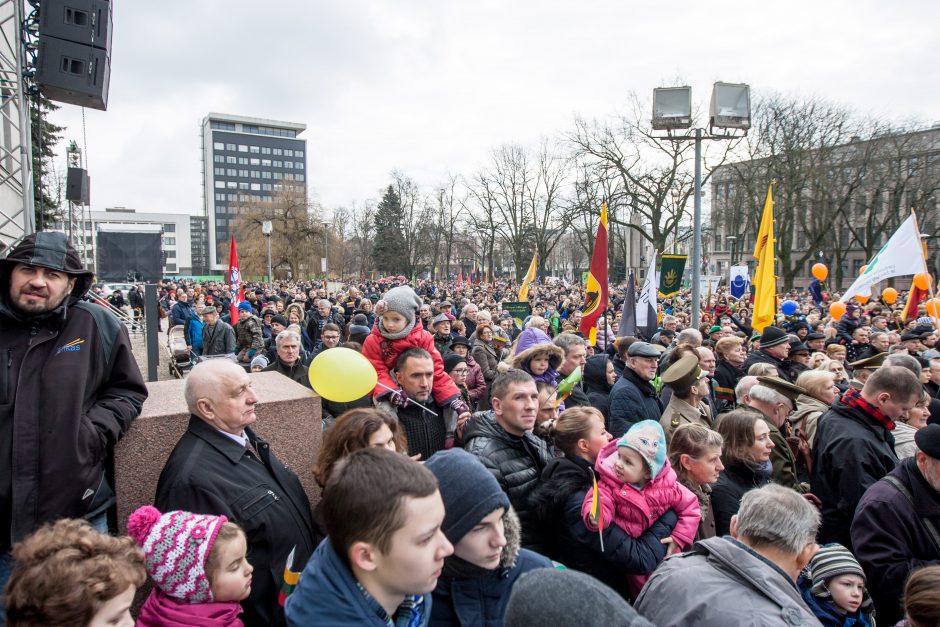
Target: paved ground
[139,346]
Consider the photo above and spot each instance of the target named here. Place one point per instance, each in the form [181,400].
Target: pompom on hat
[176,545]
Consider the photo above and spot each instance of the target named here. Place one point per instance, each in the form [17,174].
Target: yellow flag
[529,277]
[765,282]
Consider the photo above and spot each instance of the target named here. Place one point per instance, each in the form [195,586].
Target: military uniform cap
[683,374]
[786,388]
[870,363]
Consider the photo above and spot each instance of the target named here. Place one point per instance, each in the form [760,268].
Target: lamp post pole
[267,228]
[733,240]
[326,251]
[697,232]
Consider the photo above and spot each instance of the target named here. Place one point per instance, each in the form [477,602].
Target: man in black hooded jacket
[69,390]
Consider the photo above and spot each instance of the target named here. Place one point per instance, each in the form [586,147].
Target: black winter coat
[734,481]
[516,462]
[760,357]
[313,324]
[891,541]
[296,373]
[210,473]
[726,379]
[851,452]
[595,384]
[556,504]
[632,400]
[69,390]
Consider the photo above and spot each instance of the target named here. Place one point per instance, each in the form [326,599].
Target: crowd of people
[504,470]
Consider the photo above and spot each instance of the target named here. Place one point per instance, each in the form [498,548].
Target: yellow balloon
[342,375]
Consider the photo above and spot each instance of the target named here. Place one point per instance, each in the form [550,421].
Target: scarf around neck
[853,398]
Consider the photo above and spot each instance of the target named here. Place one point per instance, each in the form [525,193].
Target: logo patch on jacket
[73,346]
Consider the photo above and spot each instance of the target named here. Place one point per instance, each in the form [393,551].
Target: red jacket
[383,353]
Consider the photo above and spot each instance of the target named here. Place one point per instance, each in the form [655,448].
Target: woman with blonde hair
[695,455]
[821,391]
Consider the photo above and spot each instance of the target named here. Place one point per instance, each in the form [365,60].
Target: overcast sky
[431,87]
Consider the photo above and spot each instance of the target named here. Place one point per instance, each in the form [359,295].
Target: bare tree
[547,202]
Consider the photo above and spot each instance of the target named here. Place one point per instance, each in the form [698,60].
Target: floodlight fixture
[266,227]
[731,106]
[672,108]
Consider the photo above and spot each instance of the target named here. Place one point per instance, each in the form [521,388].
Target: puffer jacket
[516,462]
[481,600]
[383,353]
[557,505]
[722,583]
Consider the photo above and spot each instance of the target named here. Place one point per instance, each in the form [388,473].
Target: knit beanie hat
[245,306]
[547,596]
[452,360]
[773,336]
[281,320]
[176,545]
[830,561]
[469,491]
[648,439]
[260,360]
[404,301]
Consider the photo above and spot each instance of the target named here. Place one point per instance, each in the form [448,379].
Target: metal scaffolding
[16,172]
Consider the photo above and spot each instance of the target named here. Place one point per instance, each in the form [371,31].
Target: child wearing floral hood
[636,485]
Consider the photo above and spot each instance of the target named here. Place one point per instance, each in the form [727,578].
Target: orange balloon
[861,270]
[889,295]
[933,307]
[862,298]
[837,310]
[922,280]
[820,271]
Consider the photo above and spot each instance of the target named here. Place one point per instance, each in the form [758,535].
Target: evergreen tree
[46,188]
[388,251]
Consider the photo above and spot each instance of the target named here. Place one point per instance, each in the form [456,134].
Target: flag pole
[923,254]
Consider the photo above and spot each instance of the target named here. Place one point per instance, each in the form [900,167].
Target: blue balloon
[789,307]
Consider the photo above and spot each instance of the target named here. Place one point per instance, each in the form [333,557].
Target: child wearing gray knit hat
[833,587]
[398,329]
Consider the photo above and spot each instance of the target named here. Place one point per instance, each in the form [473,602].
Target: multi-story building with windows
[175,227]
[245,161]
[836,205]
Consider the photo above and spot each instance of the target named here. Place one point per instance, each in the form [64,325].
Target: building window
[266,175]
[219,159]
[265,150]
[220,184]
[288,152]
[266,187]
[243,186]
[255,150]
[289,165]
[278,164]
[255,174]
[231,172]
[243,161]
[256,187]
[299,177]
[171,267]
[266,163]
[222,126]
[299,165]
[168,241]
[230,160]
[218,146]
[243,173]
[255,161]
[231,185]
[278,152]
[169,228]
[219,171]
[219,197]
[230,147]
[299,154]
[242,148]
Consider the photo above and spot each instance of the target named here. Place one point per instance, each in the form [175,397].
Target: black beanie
[451,360]
[469,491]
[772,336]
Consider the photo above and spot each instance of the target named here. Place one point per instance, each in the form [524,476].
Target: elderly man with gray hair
[745,579]
[288,361]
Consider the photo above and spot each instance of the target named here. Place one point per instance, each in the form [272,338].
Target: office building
[245,161]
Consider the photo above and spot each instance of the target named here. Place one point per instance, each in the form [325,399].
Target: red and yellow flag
[595,301]
[914,298]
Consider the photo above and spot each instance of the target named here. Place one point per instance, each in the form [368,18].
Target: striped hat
[830,561]
[176,545]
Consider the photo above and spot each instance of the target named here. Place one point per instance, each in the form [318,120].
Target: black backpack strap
[928,525]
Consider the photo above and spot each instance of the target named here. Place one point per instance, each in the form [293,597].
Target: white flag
[646,305]
[901,256]
[739,281]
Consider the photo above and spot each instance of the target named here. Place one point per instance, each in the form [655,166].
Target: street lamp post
[733,240]
[672,110]
[325,266]
[267,228]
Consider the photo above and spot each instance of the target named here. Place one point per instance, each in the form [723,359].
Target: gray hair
[815,381]
[285,335]
[566,341]
[764,394]
[743,388]
[535,321]
[904,361]
[324,303]
[689,336]
[778,517]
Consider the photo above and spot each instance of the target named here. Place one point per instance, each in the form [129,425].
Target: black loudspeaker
[135,255]
[75,51]
[86,22]
[78,186]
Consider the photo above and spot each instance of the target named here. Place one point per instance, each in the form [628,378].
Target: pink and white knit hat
[176,545]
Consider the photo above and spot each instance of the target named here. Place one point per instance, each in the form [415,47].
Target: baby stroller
[181,358]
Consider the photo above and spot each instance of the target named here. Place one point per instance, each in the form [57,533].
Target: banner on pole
[519,310]
[670,274]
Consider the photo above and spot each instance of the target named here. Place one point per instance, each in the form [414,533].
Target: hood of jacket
[595,374]
[529,338]
[47,249]
[554,354]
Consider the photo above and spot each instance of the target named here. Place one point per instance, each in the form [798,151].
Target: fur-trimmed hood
[555,355]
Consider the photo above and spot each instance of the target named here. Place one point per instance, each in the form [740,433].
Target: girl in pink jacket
[636,485]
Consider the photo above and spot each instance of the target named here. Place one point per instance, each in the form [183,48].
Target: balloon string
[410,400]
